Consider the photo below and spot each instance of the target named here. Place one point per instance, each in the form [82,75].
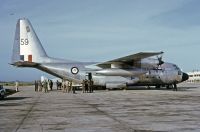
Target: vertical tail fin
[27,47]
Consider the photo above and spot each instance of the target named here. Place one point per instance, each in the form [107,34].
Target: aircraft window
[176,67]
[27,29]
[179,72]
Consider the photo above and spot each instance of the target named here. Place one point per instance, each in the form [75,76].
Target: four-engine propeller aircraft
[136,69]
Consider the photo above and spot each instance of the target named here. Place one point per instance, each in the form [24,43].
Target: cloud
[185,16]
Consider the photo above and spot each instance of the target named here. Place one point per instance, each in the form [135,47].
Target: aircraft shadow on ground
[188,87]
[171,89]
[14,98]
[145,88]
[10,92]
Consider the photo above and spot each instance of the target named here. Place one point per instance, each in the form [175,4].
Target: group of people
[44,85]
[65,86]
[87,86]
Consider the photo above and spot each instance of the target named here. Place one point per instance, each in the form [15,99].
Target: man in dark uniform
[86,86]
[36,86]
[45,85]
[83,86]
[57,84]
[51,85]
[91,86]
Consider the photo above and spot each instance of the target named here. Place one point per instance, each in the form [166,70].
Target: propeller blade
[160,61]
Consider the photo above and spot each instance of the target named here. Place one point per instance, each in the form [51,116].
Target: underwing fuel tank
[120,72]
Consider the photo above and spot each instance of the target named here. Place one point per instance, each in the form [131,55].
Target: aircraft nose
[185,77]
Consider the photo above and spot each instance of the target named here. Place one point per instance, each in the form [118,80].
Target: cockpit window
[179,72]
[176,67]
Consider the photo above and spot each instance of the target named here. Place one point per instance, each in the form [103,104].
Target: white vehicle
[2,92]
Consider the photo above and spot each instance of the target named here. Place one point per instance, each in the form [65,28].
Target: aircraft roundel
[74,70]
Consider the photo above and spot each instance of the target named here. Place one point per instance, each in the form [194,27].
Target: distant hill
[12,83]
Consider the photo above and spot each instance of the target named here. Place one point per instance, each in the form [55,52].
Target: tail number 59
[24,41]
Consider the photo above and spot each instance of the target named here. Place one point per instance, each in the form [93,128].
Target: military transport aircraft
[137,69]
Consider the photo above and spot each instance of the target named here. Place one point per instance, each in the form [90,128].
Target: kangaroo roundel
[74,70]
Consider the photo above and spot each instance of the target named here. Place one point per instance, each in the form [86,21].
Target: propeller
[160,61]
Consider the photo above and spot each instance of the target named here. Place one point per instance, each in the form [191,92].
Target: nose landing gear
[172,86]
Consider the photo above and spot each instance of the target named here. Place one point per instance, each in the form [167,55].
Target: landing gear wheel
[157,86]
[169,86]
[175,87]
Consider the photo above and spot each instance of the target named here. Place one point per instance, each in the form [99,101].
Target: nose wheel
[172,86]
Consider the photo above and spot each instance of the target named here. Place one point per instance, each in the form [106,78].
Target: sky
[102,30]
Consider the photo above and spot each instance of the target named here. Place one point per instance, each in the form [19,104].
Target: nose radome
[185,77]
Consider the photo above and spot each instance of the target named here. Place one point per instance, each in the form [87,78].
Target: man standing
[48,84]
[68,87]
[86,86]
[57,84]
[91,86]
[39,86]
[51,85]
[83,86]
[72,88]
[63,86]
[36,86]
[45,85]
[16,86]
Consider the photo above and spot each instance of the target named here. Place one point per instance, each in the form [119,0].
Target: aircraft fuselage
[135,69]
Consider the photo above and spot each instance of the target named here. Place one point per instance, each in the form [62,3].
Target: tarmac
[102,111]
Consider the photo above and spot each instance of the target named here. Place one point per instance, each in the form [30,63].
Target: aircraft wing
[130,59]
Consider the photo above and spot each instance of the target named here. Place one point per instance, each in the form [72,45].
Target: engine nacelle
[151,63]
[120,72]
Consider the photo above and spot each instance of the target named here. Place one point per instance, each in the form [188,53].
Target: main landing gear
[175,87]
